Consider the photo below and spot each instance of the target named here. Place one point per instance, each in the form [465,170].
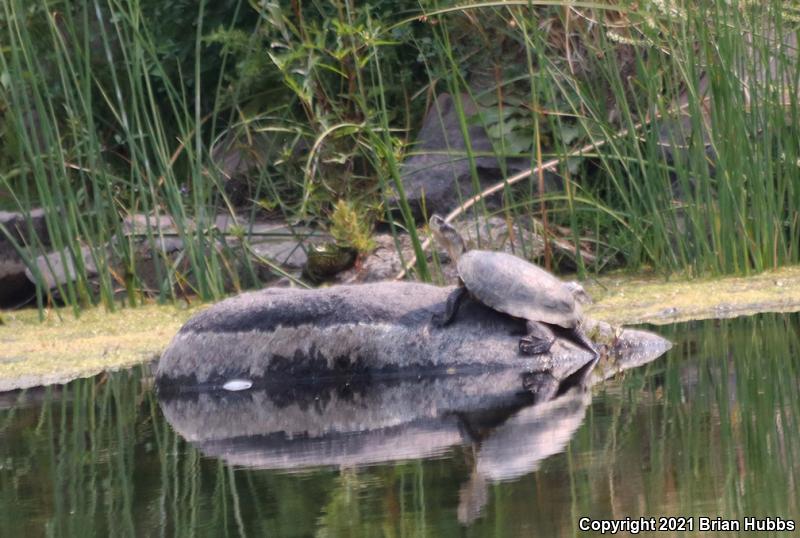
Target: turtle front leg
[542,385]
[538,340]
[454,301]
[584,340]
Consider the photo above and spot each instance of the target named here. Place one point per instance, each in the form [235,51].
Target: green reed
[99,73]
[686,111]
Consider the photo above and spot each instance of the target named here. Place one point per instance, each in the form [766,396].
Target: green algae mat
[64,347]
[626,300]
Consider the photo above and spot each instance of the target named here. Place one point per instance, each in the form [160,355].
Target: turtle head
[447,236]
[578,292]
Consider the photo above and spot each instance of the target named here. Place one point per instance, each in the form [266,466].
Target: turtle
[326,260]
[515,287]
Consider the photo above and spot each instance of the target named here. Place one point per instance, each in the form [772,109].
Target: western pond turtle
[516,287]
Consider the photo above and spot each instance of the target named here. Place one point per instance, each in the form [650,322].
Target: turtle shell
[514,286]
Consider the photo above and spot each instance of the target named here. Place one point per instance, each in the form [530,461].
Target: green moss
[351,227]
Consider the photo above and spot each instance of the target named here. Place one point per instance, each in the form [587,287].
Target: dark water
[709,429]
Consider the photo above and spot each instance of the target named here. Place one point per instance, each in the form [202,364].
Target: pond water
[709,429]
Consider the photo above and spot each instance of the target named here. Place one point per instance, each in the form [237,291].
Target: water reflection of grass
[709,430]
[713,433]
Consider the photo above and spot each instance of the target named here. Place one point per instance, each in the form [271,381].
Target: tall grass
[62,104]
[686,113]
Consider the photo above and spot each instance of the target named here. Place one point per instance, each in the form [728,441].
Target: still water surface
[709,429]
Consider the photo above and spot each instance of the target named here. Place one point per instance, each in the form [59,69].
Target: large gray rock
[370,331]
[439,170]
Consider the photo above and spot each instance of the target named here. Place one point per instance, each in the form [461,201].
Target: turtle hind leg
[454,301]
[584,341]
[538,340]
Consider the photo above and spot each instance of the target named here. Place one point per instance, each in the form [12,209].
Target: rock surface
[390,418]
[156,243]
[493,233]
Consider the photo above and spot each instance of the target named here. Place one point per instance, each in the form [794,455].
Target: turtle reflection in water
[513,286]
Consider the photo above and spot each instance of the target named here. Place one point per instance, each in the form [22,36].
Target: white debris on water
[237,384]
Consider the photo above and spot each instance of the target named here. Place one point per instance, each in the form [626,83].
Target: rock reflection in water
[508,426]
